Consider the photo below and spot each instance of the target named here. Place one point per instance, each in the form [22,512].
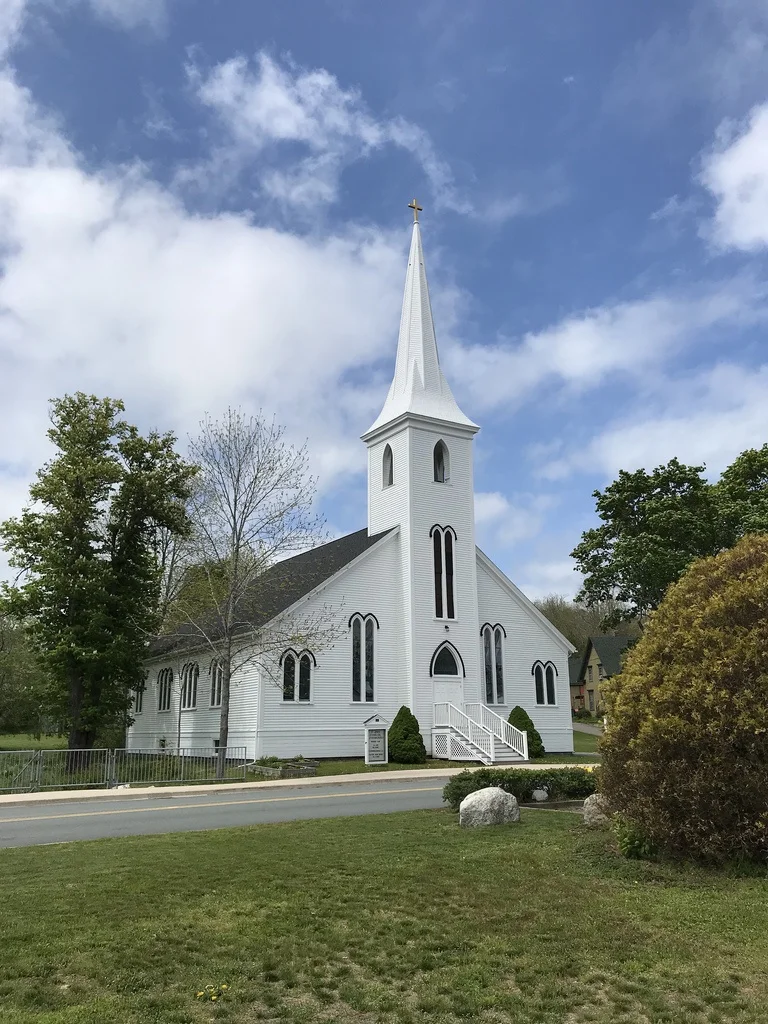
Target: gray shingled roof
[609,650]
[574,668]
[282,585]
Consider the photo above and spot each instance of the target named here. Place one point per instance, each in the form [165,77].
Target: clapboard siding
[527,640]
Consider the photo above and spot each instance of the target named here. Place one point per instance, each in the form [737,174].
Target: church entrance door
[448,690]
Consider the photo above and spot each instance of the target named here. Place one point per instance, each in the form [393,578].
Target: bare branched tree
[251,507]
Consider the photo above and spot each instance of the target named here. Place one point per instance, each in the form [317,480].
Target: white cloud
[132,14]
[504,523]
[539,579]
[736,173]
[269,105]
[707,419]
[585,349]
[12,13]
[108,284]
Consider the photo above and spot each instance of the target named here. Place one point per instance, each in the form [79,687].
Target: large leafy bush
[406,745]
[560,783]
[520,718]
[685,756]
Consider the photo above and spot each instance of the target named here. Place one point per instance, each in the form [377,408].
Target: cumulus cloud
[504,523]
[707,419]
[583,350]
[736,173]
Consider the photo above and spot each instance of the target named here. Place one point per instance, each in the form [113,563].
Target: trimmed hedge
[560,783]
[406,744]
[520,718]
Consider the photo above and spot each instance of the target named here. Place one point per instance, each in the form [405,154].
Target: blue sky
[203,202]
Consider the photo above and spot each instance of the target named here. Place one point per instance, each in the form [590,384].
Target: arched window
[297,664]
[138,705]
[446,661]
[216,672]
[190,674]
[493,661]
[164,689]
[443,545]
[363,627]
[441,461]
[544,682]
[387,468]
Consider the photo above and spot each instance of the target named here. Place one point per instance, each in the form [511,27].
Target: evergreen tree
[406,745]
[90,580]
[520,718]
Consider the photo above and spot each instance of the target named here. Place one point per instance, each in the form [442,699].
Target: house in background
[601,660]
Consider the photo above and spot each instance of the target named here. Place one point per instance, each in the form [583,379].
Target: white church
[429,620]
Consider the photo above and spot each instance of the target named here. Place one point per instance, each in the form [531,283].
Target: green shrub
[630,840]
[685,755]
[406,745]
[520,718]
[560,783]
[583,715]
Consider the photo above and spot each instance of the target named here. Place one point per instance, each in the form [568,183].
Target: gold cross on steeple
[413,205]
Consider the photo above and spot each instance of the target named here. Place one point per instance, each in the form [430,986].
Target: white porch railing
[500,728]
[448,715]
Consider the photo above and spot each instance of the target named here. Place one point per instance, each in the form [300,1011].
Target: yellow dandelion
[199,995]
[224,988]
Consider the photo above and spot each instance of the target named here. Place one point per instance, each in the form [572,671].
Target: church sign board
[376,742]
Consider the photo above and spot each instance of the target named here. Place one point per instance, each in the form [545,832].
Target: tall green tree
[742,494]
[578,623]
[653,525]
[89,580]
[23,685]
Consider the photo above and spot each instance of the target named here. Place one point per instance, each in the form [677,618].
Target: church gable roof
[283,585]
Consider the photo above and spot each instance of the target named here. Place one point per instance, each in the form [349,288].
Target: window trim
[441,446]
[165,678]
[543,667]
[364,621]
[494,633]
[387,467]
[297,658]
[189,669]
[444,581]
[216,672]
[462,674]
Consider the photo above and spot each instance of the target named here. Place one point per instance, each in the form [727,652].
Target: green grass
[396,919]
[26,741]
[355,767]
[585,742]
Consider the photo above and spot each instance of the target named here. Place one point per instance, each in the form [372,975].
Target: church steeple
[419,386]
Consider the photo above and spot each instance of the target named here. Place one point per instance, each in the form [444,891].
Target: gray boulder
[490,806]
[596,812]
[540,795]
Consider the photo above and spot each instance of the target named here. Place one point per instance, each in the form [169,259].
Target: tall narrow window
[300,665]
[488,658]
[216,672]
[499,652]
[369,660]
[538,676]
[357,658]
[164,689]
[363,642]
[549,673]
[443,547]
[387,468]
[289,677]
[189,678]
[437,542]
[441,463]
[138,706]
[305,675]
[493,660]
[544,682]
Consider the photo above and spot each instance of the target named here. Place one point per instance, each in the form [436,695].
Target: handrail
[477,734]
[503,730]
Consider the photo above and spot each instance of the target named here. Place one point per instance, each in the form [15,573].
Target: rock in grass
[490,806]
[596,811]
[540,795]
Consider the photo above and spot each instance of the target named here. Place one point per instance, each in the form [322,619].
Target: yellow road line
[218,803]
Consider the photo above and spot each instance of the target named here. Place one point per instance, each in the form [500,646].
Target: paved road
[33,825]
[593,730]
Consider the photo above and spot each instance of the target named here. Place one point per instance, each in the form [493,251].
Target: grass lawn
[25,741]
[398,919]
[585,742]
[354,767]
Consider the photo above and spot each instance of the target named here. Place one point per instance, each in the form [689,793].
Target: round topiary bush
[520,718]
[406,745]
[685,755]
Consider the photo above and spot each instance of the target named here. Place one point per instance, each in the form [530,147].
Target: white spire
[419,385]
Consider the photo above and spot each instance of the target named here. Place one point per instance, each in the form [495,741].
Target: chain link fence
[29,771]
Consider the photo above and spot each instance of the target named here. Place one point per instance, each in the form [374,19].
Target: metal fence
[27,771]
